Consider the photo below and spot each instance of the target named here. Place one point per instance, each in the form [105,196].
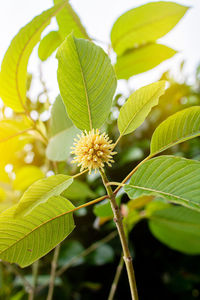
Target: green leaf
[49,44]
[40,191]
[102,255]
[145,24]
[78,190]
[62,131]
[138,106]
[178,228]
[59,119]
[69,21]
[172,178]
[13,74]
[104,210]
[25,239]
[59,146]
[26,176]
[182,126]
[140,60]
[87,82]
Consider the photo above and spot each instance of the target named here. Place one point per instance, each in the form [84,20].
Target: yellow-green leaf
[69,21]
[145,24]
[26,176]
[40,191]
[13,74]
[180,127]
[25,239]
[49,44]
[173,178]
[87,82]
[13,136]
[135,110]
[142,59]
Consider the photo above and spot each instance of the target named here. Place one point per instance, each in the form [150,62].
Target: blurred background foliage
[90,255]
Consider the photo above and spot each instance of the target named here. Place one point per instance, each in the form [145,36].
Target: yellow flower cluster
[93,150]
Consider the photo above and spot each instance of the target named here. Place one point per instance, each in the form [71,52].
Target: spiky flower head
[92,150]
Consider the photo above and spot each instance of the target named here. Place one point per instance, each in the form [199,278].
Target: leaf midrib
[42,198]
[85,86]
[37,227]
[137,112]
[173,143]
[196,204]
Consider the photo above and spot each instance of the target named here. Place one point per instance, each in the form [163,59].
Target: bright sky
[98,17]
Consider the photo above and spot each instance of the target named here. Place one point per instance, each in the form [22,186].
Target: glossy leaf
[25,239]
[145,24]
[137,107]
[178,228]
[26,176]
[142,59]
[182,126]
[40,191]
[87,82]
[13,74]
[172,178]
[49,44]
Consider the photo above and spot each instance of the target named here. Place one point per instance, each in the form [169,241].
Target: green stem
[116,279]
[53,272]
[131,173]
[35,268]
[118,220]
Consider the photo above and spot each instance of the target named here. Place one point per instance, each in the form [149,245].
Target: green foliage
[68,21]
[26,176]
[104,210]
[49,44]
[78,190]
[59,146]
[87,81]
[62,133]
[141,59]
[59,118]
[182,126]
[172,178]
[86,89]
[135,110]
[25,239]
[40,191]
[13,74]
[145,24]
[178,228]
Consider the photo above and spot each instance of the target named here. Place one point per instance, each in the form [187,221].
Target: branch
[53,272]
[124,243]
[116,279]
